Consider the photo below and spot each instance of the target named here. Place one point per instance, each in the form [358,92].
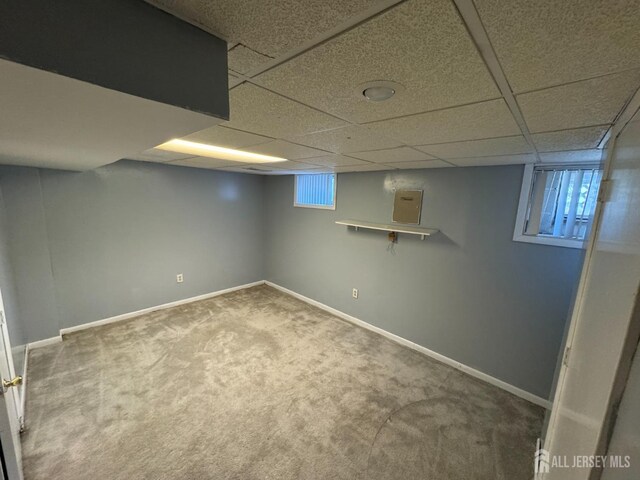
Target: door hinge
[604,194]
[1,317]
[565,359]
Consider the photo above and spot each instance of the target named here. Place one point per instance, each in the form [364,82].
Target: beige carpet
[259,385]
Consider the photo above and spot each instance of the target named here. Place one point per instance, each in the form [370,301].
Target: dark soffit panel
[124,45]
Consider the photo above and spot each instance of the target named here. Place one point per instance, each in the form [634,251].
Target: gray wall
[17,335]
[91,245]
[29,252]
[469,293]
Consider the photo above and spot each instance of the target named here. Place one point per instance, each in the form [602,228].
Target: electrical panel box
[407,207]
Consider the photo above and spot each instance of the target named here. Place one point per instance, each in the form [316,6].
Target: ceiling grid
[481,82]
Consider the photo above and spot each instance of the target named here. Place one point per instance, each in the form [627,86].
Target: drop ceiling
[296,68]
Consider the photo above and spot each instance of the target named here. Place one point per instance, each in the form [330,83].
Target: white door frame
[554,434]
[9,406]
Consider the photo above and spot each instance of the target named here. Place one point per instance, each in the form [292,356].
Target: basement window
[557,204]
[315,191]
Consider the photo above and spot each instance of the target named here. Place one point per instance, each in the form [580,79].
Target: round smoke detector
[379,90]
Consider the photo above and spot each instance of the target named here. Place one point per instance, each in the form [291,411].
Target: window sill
[319,207]
[551,241]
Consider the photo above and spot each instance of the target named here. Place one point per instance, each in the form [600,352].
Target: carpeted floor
[256,384]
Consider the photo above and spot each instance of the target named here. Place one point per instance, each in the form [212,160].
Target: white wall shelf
[357,224]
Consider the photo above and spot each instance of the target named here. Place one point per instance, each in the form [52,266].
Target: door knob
[14,382]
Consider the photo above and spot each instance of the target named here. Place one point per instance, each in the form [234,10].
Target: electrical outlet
[354,293]
[179,278]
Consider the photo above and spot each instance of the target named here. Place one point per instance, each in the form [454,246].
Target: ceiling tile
[392,155]
[205,162]
[226,137]
[280,148]
[262,170]
[348,139]
[155,155]
[422,45]
[242,59]
[469,122]
[233,80]
[576,156]
[256,110]
[363,168]
[579,138]
[247,170]
[334,160]
[495,160]
[422,164]
[551,42]
[479,148]
[286,166]
[271,27]
[590,102]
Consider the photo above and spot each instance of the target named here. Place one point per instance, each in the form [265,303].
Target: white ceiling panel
[271,27]
[392,155]
[579,138]
[495,160]
[234,80]
[348,139]
[422,164]
[577,156]
[469,122]
[363,168]
[421,44]
[204,162]
[249,169]
[550,42]
[479,148]
[256,110]
[52,121]
[226,137]
[334,160]
[156,155]
[280,148]
[242,59]
[581,104]
[289,165]
[264,170]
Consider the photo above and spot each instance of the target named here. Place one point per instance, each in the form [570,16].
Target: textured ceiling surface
[270,27]
[423,45]
[543,43]
[297,69]
[470,122]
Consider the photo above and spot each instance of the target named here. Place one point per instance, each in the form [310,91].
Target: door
[9,407]
[598,335]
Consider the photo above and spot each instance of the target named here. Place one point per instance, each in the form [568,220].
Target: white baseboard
[407,343]
[126,316]
[402,341]
[44,343]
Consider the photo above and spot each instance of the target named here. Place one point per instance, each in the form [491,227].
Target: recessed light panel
[213,151]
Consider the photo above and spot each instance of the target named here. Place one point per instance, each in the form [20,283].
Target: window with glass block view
[562,201]
[315,191]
